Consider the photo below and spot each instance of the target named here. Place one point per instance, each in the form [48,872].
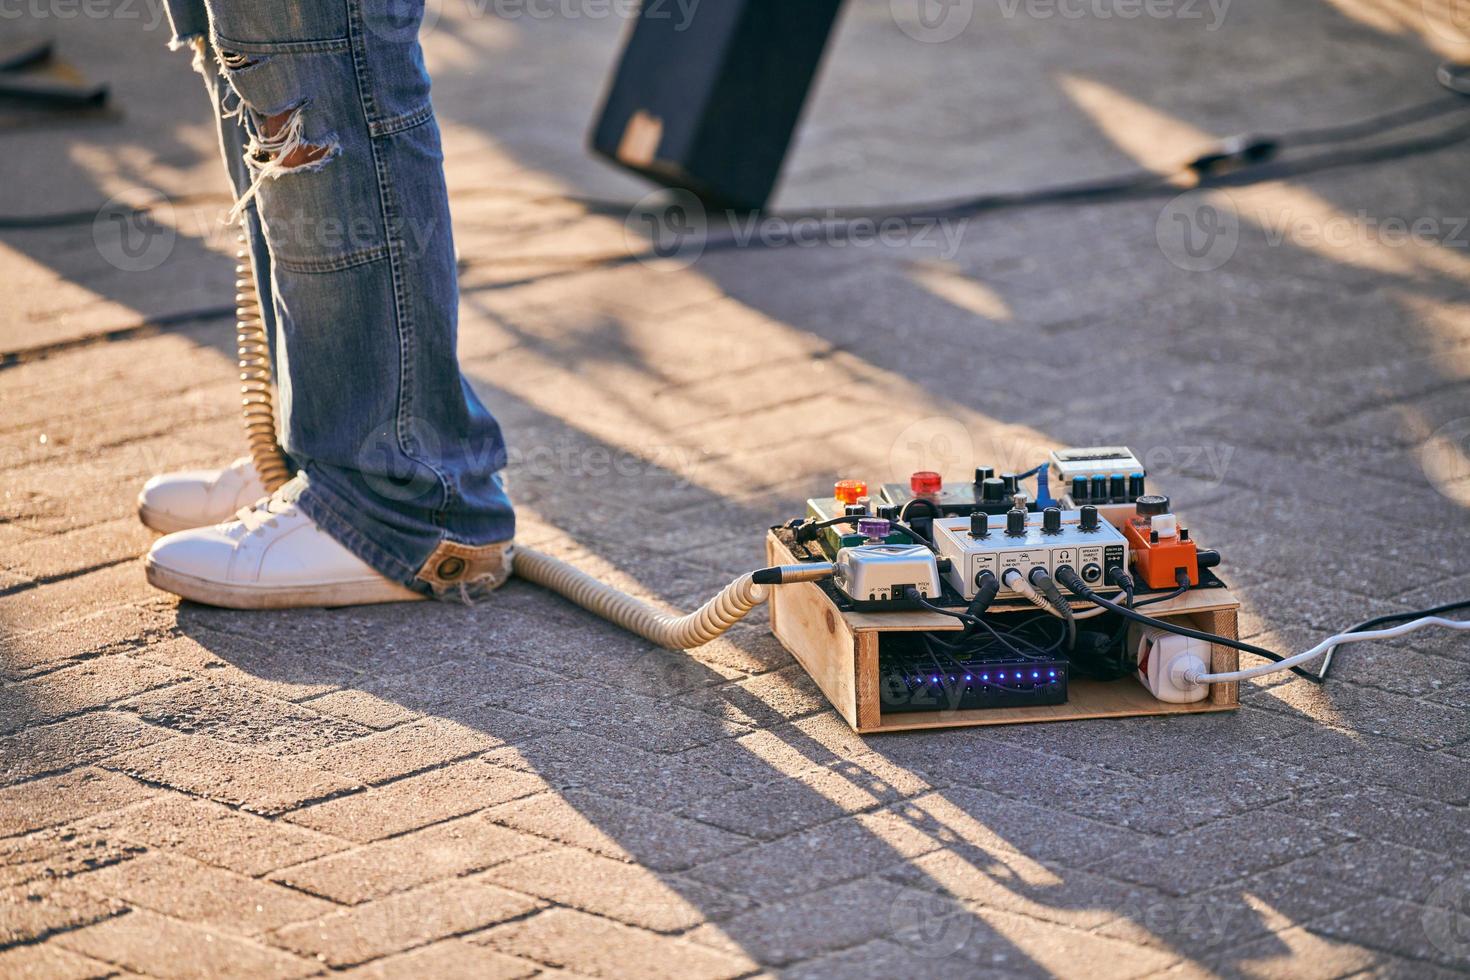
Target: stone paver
[449,959]
[158,946]
[597,947]
[441,851]
[216,834]
[185,889]
[56,799]
[415,801]
[517,789]
[404,921]
[216,770]
[615,889]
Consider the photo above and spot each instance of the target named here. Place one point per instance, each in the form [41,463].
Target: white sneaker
[272,556]
[198,498]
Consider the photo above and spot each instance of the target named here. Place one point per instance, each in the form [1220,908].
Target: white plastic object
[1165,661]
[1166,524]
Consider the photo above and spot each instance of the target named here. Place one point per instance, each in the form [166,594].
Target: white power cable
[1194,677]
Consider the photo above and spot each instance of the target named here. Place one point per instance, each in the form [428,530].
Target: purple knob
[873,528]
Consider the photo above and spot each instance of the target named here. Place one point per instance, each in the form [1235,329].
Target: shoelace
[263,512]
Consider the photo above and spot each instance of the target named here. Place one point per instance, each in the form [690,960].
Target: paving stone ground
[517,789]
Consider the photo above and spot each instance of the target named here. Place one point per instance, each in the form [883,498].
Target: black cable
[987,587]
[1009,637]
[805,530]
[1383,122]
[964,617]
[1074,582]
[1182,577]
[1231,155]
[1377,621]
[903,512]
[977,623]
[1455,77]
[1054,595]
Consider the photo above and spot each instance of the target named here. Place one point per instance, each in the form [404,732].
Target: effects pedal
[1109,478]
[1161,548]
[877,577]
[850,497]
[1024,541]
[991,493]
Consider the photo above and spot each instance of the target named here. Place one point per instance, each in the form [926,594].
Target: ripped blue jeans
[331,143]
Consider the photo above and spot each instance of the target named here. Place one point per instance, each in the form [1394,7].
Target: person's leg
[399,461]
[181,500]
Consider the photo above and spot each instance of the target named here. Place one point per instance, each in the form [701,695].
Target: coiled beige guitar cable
[255,373]
[727,608]
[710,620]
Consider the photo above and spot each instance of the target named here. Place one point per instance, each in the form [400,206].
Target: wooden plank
[865,667]
[812,629]
[1223,659]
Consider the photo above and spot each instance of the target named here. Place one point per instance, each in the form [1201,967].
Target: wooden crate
[840,651]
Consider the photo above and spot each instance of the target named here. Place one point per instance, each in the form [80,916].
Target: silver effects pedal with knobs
[1023,541]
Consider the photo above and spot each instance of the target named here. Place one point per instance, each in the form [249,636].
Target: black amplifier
[707,94]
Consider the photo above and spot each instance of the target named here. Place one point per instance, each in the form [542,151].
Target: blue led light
[967,677]
[1035,674]
[1051,673]
[1002,675]
[934,680]
[985,677]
